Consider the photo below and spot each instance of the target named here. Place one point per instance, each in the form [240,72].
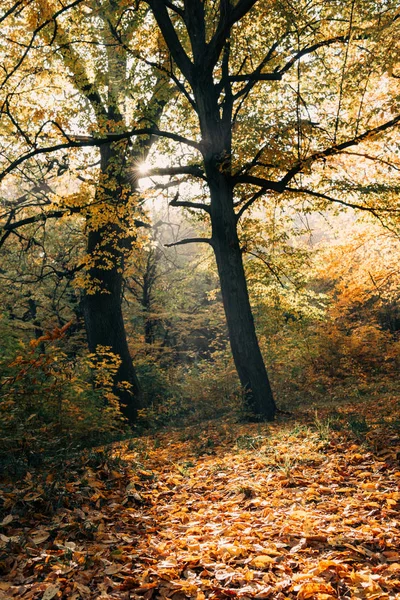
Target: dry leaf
[310,589]
[51,592]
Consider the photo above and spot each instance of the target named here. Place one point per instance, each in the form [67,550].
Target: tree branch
[191,241]
[389,164]
[171,38]
[11,10]
[281,186]
[267,184]
[371,209]
[194,170]
[309,50]
[187,204]
[266,263]
[337,149]
[228,17]
[51,214]
[85,142]
[195,24]
[251,201]
[175,8]
[254,77]
[34,35]
[73,62]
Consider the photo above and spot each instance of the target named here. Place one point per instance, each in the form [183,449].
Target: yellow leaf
[310,589]
[262,561]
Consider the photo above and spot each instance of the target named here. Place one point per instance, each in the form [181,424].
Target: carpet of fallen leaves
[302,508]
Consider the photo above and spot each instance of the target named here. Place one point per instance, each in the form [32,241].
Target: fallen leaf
[262,561]
[310,589]
[51,592]
[7,520]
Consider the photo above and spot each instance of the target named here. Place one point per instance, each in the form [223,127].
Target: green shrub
[50,403]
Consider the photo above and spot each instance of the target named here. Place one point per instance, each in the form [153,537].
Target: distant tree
[171,297]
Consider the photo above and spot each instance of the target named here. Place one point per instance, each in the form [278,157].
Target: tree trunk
[108,246]
[242,335]
[216,130]
[105,326]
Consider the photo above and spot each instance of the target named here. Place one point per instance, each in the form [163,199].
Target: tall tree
[273,90]
[94,45]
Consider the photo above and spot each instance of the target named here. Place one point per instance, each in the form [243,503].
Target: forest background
[191,191]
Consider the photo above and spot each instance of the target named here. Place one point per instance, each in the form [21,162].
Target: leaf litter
[217,511]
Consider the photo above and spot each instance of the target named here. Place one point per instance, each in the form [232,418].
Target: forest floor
[306,507]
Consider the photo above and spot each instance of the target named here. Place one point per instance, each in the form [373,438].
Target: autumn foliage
[305,508]
[199,234]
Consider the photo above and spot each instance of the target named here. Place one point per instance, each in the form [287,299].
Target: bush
[51,403]
[191,393]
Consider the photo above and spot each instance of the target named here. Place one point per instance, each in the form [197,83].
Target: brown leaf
[311,589]
[51,592]
[7,520]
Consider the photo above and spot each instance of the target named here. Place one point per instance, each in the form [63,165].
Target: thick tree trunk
[105,326]
[217,154]
[214,105]
[242,335]
[108,246]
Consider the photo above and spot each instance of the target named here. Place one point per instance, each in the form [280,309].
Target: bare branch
[309,50]
[10,227]
[371,209]
[267,184]
[255,162]
[266,263]
[4,237]
[251,201]
[190,241]
[389,164]
[187,204]
[254,77]
[175,8]
[194,170]
[337,149]
[228,17]
[171,38]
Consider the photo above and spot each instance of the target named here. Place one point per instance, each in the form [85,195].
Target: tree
[93,46]
[276,99]
[256,142]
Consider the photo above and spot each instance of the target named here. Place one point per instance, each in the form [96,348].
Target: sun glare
[143,168]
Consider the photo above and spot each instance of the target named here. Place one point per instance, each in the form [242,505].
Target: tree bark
[216,120]
[102,308]
[105,325]
[246,352]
